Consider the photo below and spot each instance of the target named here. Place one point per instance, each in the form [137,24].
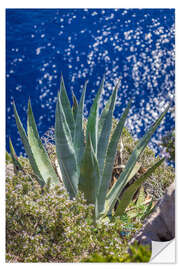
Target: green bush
[157,183]
[168,142]
[138,254]
[43,225]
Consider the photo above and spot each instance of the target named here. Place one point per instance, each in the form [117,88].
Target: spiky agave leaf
[105,132]
[92,125]
[65,151]
[41,157]
[27,147]
[67,107]
[103,116]
[114,192]
[130,191]
[109,161]
[103,213]
[14,157]
[74,106]
[8,157]
[89,173]
[140,196]
[78,139]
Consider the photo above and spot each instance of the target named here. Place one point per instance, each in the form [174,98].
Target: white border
[90,4]
[2,137]
[75,4]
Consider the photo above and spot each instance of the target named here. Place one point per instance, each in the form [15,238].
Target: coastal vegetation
[108,184]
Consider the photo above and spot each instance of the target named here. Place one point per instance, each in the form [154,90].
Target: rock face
[160,226]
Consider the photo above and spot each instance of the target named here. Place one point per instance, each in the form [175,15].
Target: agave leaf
[27,147]
[40,155]
[141,197]
[89,173]
[134,171]
[74,106]
[14,157]
[103,116]
[130,191]
[79,131]
[122,180]
[65,151]
[109,161]
[150,208]
[103,213]
[92,125]
[8,157]
[105,132]
[67,107]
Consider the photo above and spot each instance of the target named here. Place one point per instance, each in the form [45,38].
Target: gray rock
[160,226]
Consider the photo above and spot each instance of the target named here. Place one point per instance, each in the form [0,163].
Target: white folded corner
[163,252]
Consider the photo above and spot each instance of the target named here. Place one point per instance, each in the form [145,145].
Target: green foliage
[39,221]
[129,192]
[168,142]
[43,225]
[89,174]
[35,150]
[138,254]
[141,211]
[86,161]
[74,106]
[8,158]
[149,209]
[16,163]
[89,168]
[33,235]
[156,184]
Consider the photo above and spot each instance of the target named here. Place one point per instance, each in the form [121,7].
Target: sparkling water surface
[136,46]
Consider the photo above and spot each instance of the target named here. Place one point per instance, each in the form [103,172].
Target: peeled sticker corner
[163,252]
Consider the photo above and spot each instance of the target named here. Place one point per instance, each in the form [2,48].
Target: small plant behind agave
[86,160]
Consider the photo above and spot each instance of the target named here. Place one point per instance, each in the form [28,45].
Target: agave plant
[86,159]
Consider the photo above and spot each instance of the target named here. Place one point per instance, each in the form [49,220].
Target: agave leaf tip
[29,104]
[118,83]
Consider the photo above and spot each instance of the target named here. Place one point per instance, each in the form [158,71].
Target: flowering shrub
[43,225]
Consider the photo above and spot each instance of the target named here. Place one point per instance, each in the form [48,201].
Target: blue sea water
[136,46]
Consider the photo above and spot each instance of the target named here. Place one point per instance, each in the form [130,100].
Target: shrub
[138,254]
[43,225]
